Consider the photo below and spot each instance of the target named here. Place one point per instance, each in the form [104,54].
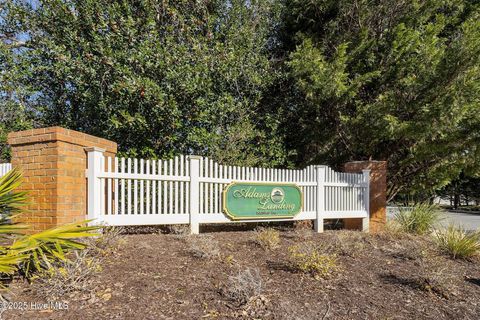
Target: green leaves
[316,76]
[388,83]
[44,247]
[150,74]
[11,201]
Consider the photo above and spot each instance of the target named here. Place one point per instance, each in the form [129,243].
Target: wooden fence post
[320,205]
[194,193]
[95,192]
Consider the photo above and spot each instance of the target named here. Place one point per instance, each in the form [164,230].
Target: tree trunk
[456,201]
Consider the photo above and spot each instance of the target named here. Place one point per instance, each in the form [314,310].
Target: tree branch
[12,42]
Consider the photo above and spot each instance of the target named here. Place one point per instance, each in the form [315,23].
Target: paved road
[469,221]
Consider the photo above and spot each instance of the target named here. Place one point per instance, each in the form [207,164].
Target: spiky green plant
[457,242]
[420,219]
[30,252]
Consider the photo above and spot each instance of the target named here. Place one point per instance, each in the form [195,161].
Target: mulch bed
[154,276]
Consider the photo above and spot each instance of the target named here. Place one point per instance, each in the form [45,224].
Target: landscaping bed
[175,276]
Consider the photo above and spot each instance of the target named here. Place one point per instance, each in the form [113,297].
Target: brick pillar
[53,161]
[378,194]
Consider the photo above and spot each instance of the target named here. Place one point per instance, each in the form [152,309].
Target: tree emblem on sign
[277,195]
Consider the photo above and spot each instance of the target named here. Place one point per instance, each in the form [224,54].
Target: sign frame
[232,217]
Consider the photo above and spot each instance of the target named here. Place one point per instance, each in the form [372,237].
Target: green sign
[247,200]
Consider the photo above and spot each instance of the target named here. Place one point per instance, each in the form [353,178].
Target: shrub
[74,273]
[179,229]
[419,220]
[244,286]
[303,234]
[308,259]
[66,276]
[458,243]
[108,241]
[268,239]
[393,231]
[203,246]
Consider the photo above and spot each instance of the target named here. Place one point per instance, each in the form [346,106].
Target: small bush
[64,277]
[308,259]
[107,242]
[346,243]
[303,234]
[203,246]
[74,274]
[268,239]
[419,220]
[179,229]
[392,228]
[244,286]
[458,243]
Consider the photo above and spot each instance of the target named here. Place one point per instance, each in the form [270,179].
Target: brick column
[378,194]
[53,161]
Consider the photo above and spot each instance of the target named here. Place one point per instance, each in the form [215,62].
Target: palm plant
[30,252]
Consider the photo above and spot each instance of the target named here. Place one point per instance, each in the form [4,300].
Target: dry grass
[203,246]
[393,229]
[75,273]
[431,275]
[180,230]
[110,239]
[268,239]
[348,243]
[243,287]
[458,243]
[308,258]
[421,219]
[72,275]
[303,234]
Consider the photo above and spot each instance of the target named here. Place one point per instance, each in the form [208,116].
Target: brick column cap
[59,134]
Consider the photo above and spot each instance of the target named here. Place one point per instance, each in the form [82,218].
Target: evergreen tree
[396,81]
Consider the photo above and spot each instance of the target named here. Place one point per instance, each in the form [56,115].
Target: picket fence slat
[109,188]
[5,168]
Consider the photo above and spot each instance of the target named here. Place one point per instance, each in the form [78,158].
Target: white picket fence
[4,168]
[188,190]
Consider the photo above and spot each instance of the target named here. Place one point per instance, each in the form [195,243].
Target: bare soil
[155,276]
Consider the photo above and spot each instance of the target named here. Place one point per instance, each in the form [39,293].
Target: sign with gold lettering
[247,200]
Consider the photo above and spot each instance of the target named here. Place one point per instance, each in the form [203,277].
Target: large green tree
[158,77]
[15,113]
[463,190]
[387,80]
